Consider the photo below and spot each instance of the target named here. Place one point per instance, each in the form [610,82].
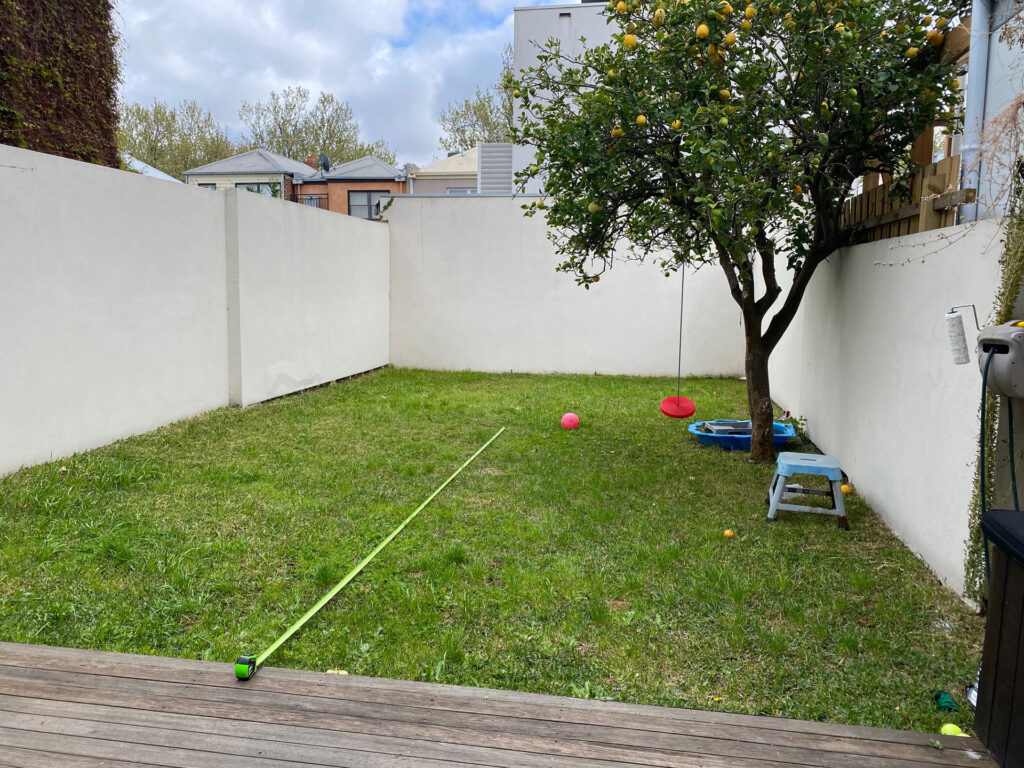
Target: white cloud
[397,62]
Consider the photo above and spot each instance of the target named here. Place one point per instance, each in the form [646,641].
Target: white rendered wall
[474,286]
[112,305]
[868,364]
[312,296]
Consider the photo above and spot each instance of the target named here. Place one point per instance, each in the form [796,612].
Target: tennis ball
[847,490]
[570,421]
[950,729]
[729,533]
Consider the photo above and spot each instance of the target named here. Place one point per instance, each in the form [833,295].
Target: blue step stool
[790,464]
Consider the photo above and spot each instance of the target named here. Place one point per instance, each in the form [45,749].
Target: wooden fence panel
[932,203]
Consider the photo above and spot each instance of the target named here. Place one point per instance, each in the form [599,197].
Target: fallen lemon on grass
[846,489]
[729,533]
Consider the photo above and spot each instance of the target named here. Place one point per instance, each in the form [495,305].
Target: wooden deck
[71,708]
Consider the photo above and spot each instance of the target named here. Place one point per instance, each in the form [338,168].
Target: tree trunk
[759,399]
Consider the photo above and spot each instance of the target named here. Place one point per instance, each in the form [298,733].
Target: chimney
[311,162]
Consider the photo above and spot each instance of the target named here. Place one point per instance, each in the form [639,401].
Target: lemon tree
[731,134]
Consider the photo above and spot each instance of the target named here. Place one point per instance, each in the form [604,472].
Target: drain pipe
[974,110]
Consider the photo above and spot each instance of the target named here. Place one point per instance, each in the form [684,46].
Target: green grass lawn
[587,563]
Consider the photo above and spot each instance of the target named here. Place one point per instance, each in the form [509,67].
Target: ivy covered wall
[58,78]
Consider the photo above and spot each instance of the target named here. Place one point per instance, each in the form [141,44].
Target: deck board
[89,708]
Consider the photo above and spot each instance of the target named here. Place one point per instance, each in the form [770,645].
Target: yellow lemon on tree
[911,52]
[621,7]
[593,207]
[746,26]
[703,31]
[926,21]
[941,22]
[724,8]
[641,119]
[629,42]
[659,17]
[798,190]
[677,124]
[617,131]
[730,39]
[725,94]
[750,12]
[935,37]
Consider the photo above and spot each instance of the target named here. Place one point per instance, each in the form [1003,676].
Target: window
[366,204]
[461,190]
[207,186]
[268,188]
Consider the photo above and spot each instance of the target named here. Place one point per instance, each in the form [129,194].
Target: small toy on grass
[570,421]
[846,489]
[944,702]
[950,729]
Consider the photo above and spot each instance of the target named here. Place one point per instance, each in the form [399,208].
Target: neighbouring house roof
[459,164]
[367,168]
[148,170]
[254,161]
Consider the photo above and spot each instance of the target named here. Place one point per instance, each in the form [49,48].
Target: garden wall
[474,286]
[868,364]
[112,316]
[115,302]
[312,296]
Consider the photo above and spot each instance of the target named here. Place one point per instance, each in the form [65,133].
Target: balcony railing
[313,201]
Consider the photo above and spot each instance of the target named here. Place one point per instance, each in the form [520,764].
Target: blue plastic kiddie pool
[732,435]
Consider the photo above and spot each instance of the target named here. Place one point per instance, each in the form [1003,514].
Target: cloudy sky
[397,62]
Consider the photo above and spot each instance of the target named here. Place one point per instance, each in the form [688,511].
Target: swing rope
[679,407]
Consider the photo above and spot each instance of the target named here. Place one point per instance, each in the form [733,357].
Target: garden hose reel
[1005,345]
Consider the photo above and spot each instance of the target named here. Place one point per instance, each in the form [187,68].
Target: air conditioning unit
[494,175]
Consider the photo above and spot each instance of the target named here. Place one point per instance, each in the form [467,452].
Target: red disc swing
[679,407]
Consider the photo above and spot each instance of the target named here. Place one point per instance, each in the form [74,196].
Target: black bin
[999,719]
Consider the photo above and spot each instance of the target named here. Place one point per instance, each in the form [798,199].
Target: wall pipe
[974,110]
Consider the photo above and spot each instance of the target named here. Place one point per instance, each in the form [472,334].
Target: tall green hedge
[58,78]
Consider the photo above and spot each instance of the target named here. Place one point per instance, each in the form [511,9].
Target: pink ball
[571,421]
